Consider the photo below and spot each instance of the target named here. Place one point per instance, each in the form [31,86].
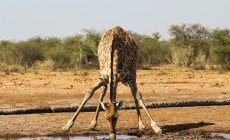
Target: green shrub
[221,55]
[26,53]
[152,52]
[60,57]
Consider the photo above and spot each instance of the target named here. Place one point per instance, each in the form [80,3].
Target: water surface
[224,135]
[77,137]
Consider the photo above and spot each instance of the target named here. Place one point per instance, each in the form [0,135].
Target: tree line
[191,45]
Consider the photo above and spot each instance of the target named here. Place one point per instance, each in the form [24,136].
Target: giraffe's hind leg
[88,95]
[134,92]
[153,123]
[140,101]
[94,122]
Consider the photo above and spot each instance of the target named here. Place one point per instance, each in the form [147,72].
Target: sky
[24,19]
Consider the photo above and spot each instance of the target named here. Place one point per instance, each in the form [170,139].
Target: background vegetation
[191,45]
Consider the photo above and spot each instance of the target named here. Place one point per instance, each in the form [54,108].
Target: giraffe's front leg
[153,123]
[70,123]
[94,121]
[88,95]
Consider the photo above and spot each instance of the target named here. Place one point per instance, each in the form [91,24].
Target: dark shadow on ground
[187,126]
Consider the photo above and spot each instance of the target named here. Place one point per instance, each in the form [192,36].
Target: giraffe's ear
[120,104]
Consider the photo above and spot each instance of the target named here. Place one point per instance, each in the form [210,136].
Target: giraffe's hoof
[112,136]
[91,128]
[141,127]
[155,127]
[66,128]
[158,130]
[93,125]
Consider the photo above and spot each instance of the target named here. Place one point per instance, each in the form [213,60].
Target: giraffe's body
[118,40]
[117,54]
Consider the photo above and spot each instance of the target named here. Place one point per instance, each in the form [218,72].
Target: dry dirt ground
[61,89]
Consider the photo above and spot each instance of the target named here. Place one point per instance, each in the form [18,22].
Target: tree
[75,44]
[190,40]
[156,36]
[151,51]
[26,53]
[5,43]
[221,37]
[221,47]
[84,52]
[92,39]
[4,50]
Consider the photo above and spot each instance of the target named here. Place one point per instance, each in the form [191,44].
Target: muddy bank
[168,136]
[174,121]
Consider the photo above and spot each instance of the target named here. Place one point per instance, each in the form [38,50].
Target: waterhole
[224,135]
[77,137]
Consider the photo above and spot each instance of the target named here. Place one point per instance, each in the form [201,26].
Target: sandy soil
[54,89]
[189,119]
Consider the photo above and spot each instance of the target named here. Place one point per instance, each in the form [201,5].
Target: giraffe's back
[122,41]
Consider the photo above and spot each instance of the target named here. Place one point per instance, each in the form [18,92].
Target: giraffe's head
[111,115]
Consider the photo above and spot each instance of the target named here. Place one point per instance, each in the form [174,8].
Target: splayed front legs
[88,95]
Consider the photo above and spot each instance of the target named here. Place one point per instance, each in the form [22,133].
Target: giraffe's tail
[114,73]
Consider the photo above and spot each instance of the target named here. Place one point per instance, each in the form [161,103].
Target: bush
[191,45]
[190,41]
[26,53]
[181,56]
[221,55]
[153,52]
[60,57]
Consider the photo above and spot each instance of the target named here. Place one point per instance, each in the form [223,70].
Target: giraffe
[117,53]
